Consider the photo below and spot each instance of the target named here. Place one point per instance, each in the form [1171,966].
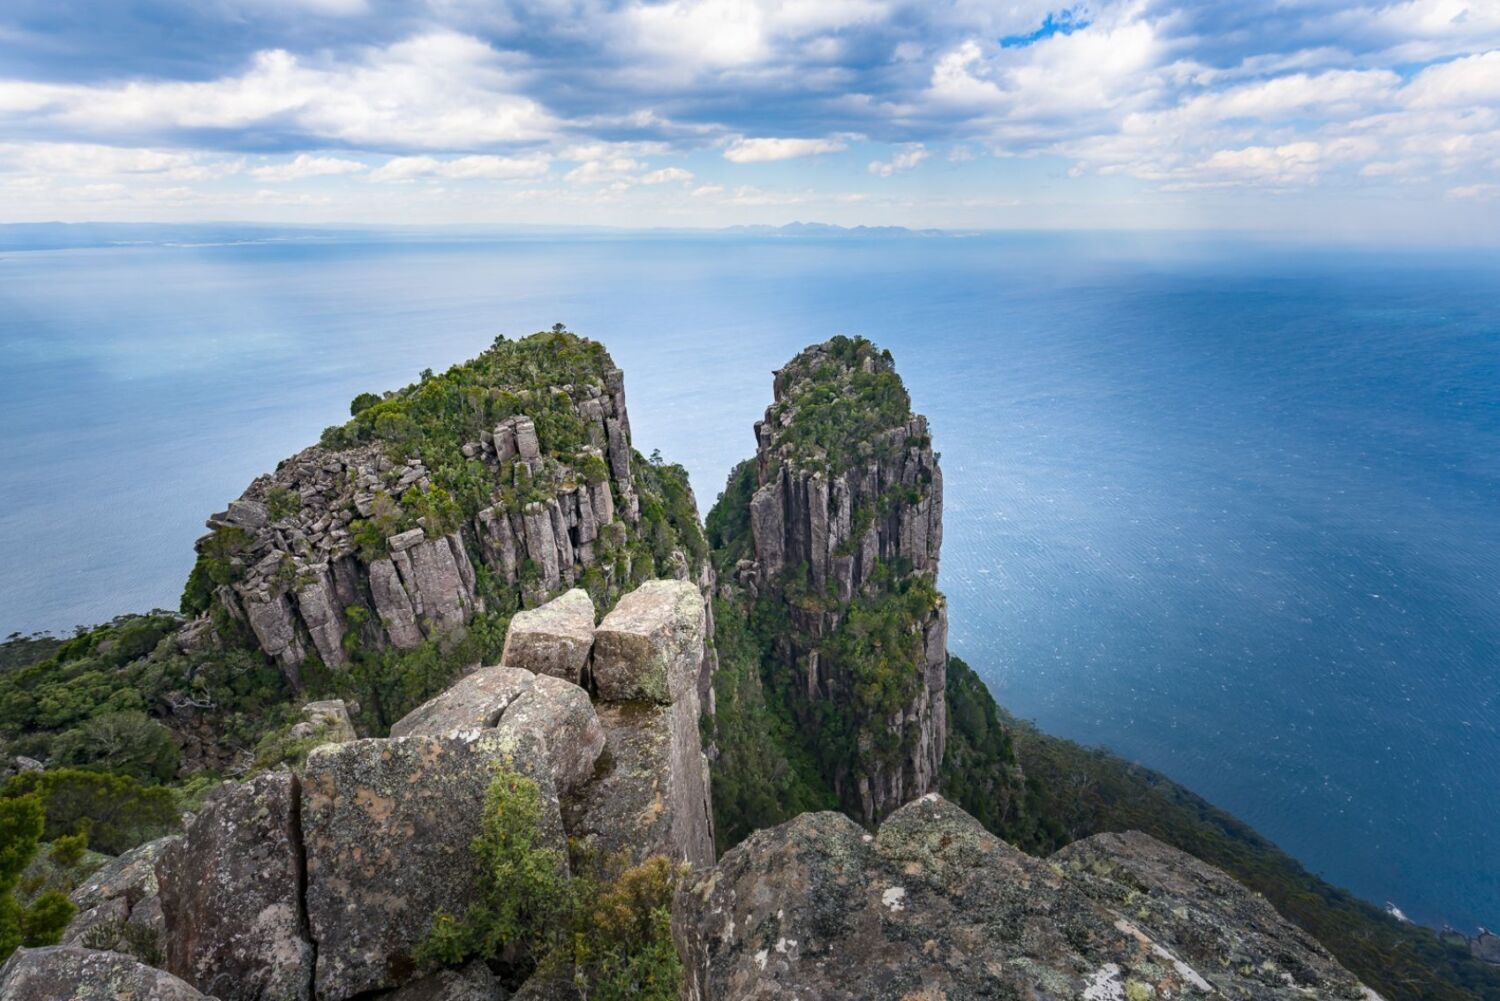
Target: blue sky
[1302,117]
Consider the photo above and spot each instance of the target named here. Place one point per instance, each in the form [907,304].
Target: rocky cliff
[933,906]
[497,484]
[354,875]
[845,515]
[543,826]
[327,881]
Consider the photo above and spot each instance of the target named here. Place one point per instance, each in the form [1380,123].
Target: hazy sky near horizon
[1303,117]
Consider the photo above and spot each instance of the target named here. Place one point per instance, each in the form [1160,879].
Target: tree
[127,743]
[21,823]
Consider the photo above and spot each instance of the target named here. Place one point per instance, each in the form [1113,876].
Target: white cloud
[767,149]
[1483,192]
[442,90]
[1470,80]
[91,160]
[906,159]
[463,168]
[620,168]
[688,36]
[667,175]
[305,165]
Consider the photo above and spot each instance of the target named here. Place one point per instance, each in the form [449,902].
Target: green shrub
[611,930]
[45,920]
[126,743]
[523,888]
[42,923]
[67,850]
[118,812]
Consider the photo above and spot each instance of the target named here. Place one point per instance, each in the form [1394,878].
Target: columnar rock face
[387,827]
[231,896]
[73,973]
[653,797]
[298,571]
[845,512]
[933,906]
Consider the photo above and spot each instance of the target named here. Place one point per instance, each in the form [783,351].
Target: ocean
[1226,508]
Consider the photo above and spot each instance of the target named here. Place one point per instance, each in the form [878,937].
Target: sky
[1314,118]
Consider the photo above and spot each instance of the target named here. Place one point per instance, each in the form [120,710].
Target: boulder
[231,895]
[131,876]
[475,702]
[562,714]
[98,927]
[387,828]
[650,646]
[471,982]
[72,973]
[331,718]
[554,639]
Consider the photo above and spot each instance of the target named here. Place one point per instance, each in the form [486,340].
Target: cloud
[463,168]
[440,90]
[667,175]
[906,159]
[305,165]
[767,150]
[90,160]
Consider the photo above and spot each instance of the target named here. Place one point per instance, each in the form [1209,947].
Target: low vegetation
[603,926]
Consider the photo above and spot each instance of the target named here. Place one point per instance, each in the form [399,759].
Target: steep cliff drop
[487,488]
[837,547]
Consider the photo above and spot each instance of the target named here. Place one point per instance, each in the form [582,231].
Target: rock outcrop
[387,827]
[652,797]
[307,564]
[231,895]
[475,702]
[844,506]
[73,973]
[554,639]
[933,906]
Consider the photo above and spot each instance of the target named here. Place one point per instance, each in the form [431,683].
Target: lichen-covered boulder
[475,702]
[554,639]
[132,876]
[230,891]
[1233,937]
[99,927]
[387,828]
[471,982]
[71,973]
[329,719]
[561,712]
[934,906]
[650,795]
[651,645]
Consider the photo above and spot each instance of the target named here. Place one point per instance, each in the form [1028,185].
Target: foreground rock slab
[230,891]
[933,906]
[387,827]
[1202,914]
[554,639]
[475,702]
[70,973]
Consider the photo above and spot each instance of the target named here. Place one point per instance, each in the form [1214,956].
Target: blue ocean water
[1228,509]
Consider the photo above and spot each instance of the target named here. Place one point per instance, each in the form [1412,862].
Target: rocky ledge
[934,907]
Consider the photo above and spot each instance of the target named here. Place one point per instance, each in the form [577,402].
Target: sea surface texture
[1228,509]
